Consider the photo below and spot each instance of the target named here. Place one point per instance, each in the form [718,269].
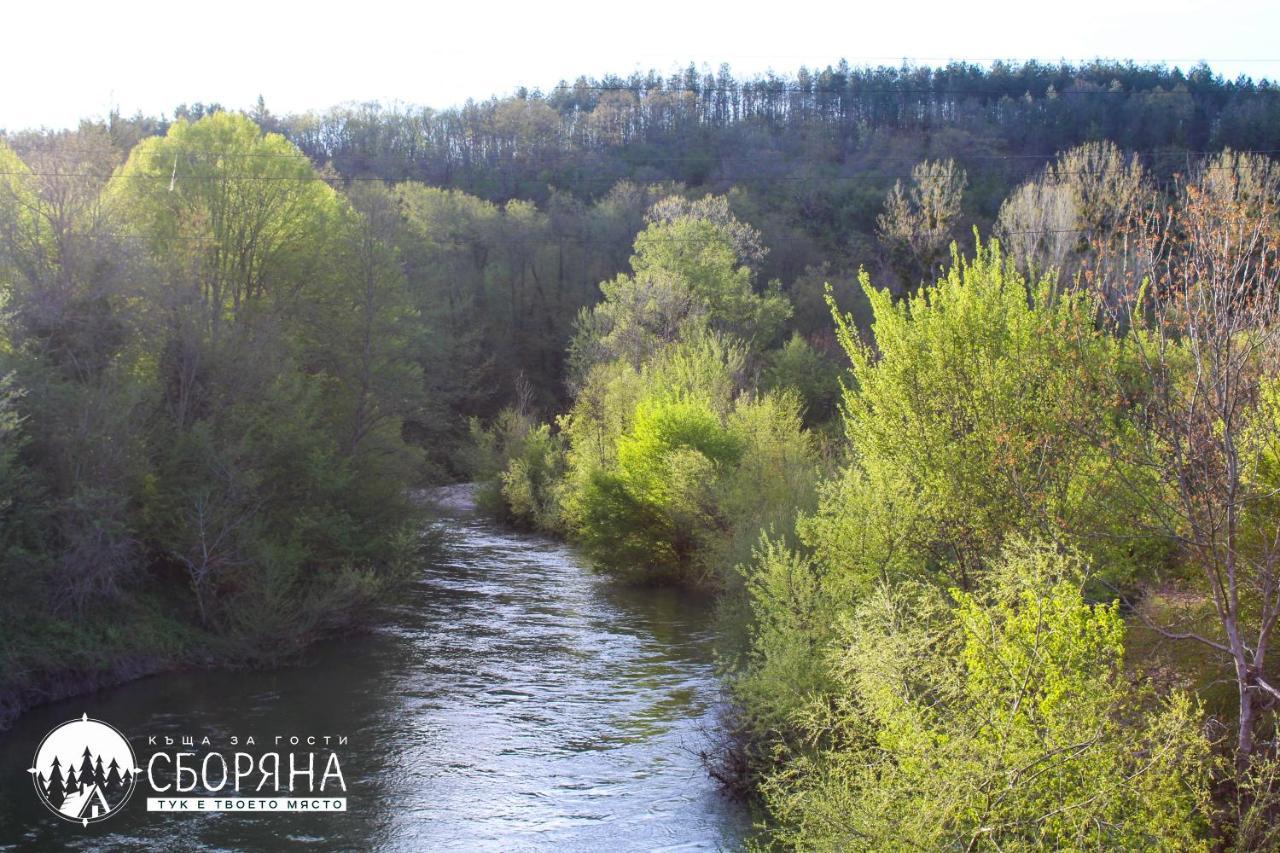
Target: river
[512,700]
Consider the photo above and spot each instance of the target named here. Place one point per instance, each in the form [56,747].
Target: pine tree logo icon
[84,770]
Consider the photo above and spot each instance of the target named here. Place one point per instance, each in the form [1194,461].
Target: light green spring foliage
[285,369]
[214,354]
[1254,818]
[64,331]
[965,424]
[778,474]
[659,423]
[519,466]
[638,316]
[23,242]
[702,254]
[666,455]
[530,482]
[673,470]
[794,604]
[1001,721]
[707,365]
[979,412]
[979,415]
[660,426]
[1261,472]
[646,514]
[688,276]
[243,213]
[775,481]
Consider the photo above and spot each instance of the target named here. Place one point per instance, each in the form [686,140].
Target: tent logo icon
[84,771]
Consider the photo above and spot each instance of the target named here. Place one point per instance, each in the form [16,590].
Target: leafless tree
[213,518]
[1077,216]
[919,221]
[1037,226]
[1204,329]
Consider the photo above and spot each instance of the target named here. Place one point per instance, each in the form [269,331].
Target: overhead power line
[541,241]
[299,156]
[166,178]
[853,90]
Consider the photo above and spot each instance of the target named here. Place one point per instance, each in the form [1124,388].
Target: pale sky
[64,61]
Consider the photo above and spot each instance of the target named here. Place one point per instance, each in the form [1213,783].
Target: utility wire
[853,92]
[876,177]
[543,241]
[618,153]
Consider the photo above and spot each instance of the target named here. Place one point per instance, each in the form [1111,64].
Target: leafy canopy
[999,721]
[977,412]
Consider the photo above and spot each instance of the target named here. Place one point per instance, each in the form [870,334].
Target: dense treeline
[807,159]
[698,127]
[958,386]
[222,371]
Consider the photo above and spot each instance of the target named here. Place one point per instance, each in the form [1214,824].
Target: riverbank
[155,631]
[60,662]
[56,659]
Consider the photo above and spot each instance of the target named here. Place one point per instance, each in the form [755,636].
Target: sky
[66,61]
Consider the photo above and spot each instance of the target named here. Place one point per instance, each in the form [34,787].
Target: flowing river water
[512,701]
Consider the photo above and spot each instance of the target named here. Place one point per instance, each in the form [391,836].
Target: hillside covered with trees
[957,386]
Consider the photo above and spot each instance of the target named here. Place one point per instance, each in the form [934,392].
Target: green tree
[703,254]
[284,375]
[688,275]
[239,218]
[812,375]
[977,414]
[1000,722]
[65,278]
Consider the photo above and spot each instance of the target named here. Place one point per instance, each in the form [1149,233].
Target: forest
[958,388]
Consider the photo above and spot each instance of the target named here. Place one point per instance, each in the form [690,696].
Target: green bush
[530,482]
[794,607]
[983,409]
[775,481]
[518,465]
[649,514]
[673,470]
[977,416]
[999,720]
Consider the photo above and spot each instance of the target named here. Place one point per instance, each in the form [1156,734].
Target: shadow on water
[512,701]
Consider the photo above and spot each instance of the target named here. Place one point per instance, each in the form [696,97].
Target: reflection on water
[513,701]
